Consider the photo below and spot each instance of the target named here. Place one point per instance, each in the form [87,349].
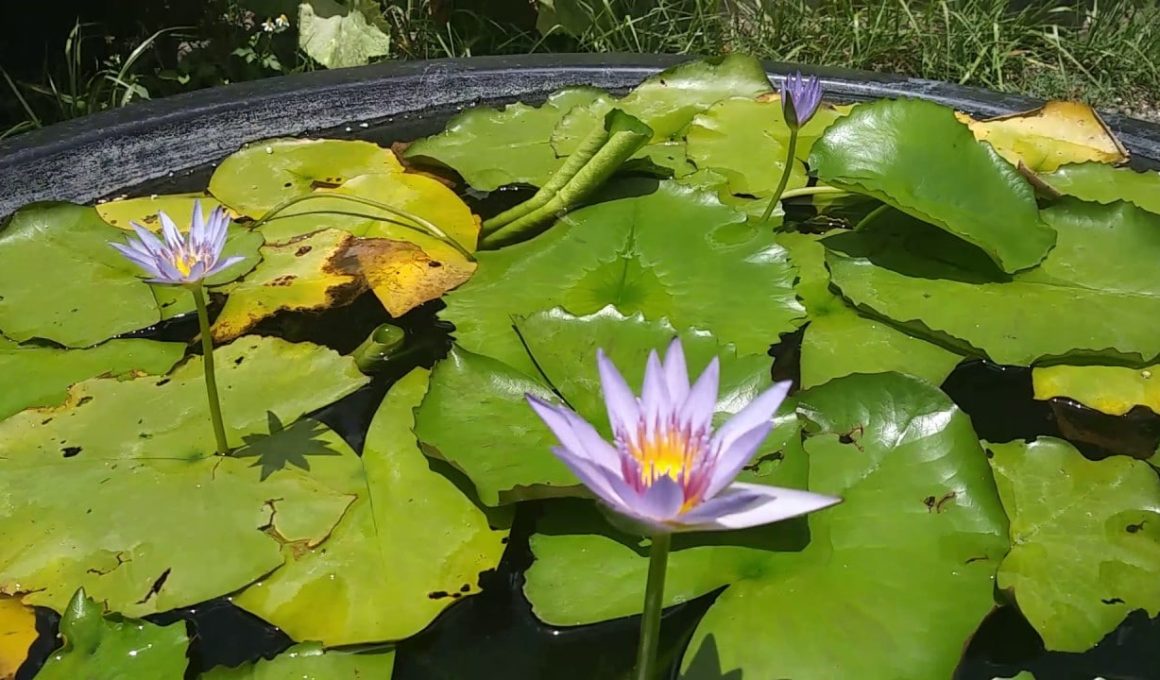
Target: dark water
[494,634]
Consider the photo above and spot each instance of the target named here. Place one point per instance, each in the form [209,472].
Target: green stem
[654,598]
[785,173]
[812,191]
[871,216]
[215,407]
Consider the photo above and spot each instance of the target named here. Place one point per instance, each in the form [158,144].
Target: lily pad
[17,633]
[1055,134]
[1085,539]
[41,376]
[1103,183]
[338,36]
[676,253]
[498,441]
[491,148]
[310,661]
[917,539]
[960,185]
[143,210]
[411,546]
[112,648]
[108,419]
[256,179]
[1114,390]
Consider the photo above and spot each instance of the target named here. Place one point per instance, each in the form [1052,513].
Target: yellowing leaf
[17,632]
[1055,134]
[402,276]
[143,210]
[1114,390]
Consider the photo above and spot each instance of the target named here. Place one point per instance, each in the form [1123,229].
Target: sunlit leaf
[338,36]
[1103,183]
[143,210]
[17,633]
[1055,134]
[309,661]
[1114,390]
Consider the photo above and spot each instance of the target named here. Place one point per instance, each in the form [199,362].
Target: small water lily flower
[667,469]
[181,260]
[800,97]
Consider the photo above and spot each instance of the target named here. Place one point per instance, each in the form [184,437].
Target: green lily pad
[918,539]
[112,648]
[500,443]
[109,419]
[143,209]
[884,149]
[262,175]
[310,661]
[338,36]
[41,376]
[1085,539]
[676,253]
[491,148]
[923,279]
[380,576]
[1103,183]
[107,525]
[667,101]
[1114,390]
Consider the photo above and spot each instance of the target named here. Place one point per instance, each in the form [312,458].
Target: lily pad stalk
[667,469]
[800,97]
[186,261]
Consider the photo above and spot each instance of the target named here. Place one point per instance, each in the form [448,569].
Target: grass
[1105,52]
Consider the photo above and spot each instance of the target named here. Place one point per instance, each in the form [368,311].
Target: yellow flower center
[667,453]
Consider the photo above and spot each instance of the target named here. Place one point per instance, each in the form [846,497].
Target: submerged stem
[654,598]
[871,216]
[791,148]
[215,407]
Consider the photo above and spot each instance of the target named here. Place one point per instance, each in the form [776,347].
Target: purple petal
[148,239]
[575,434]
[197,226]
[701,402]
[748,505]
[170,231]
[676,372]
[223,265]
[730,460]
[623,410]
[654,396]
[758,411]
[145,262]
[660,502]
[606,484]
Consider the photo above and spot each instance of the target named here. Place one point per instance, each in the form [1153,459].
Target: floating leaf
[491,148]
[169,418]
[1085,539]
[1103,183]
[1055,134]
[338,36]
[917,539]
[17,633]
[41,376]
[1114,390]
[310,661]
[498,441]
[412,545]
[143,210]
[774,122]
[113,648]
[883,149]
[676,253]
[918,277]
[263,174]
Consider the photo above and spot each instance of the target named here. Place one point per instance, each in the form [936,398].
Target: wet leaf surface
[1055,134]
[310,661]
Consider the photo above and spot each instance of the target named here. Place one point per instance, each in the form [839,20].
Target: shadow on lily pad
[283,446]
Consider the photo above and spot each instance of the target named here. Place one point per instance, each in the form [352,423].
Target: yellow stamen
[667,453]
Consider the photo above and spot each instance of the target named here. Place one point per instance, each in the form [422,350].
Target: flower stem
[812,191]
[871,216]
[791,148]
[654,597]
[215,407]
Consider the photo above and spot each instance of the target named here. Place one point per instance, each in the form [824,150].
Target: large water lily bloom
[800,97]
[667,469]
[177,259]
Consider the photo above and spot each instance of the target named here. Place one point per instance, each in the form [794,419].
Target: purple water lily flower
[181,260]
[800,97]
[668,470]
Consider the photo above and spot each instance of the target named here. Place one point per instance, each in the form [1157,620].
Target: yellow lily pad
[1055,134]
[143,210]
[17,633]
[1114,390]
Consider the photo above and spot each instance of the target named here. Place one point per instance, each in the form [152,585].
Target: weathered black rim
[88,158]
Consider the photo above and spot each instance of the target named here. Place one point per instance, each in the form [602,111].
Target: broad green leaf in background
[41,376]
[1114,390]
[885,149]
[1085,539]
[1055,134]
[112,648]
[1103,183]
[1073,305]
[338,36]
[17,633]
[143,210]
[168,417]
[773,120]
[499,442]
[491,148]
[309,661]
[840,341]
[412,544]
[676,253]
[152,534]
[667,101]
[917,539]
[263,174]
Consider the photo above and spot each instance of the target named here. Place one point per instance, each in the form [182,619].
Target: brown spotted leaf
[1055,134]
